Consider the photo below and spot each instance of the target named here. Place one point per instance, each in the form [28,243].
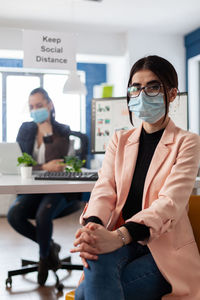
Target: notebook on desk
[9,152]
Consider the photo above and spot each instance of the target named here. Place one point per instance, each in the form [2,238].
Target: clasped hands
[94,239]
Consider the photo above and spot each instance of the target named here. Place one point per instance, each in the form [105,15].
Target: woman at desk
[48,142]
[143,189]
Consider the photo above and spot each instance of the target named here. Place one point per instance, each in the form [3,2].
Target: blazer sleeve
[26,136]
[164,212]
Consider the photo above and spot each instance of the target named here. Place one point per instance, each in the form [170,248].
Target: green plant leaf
[73,164]
[26,160]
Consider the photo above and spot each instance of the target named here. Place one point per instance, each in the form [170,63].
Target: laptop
[9,152]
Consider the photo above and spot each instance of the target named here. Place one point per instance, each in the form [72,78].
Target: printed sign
[47,50]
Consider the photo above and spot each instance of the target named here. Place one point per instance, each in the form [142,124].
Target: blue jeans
[43,208]
[129,273]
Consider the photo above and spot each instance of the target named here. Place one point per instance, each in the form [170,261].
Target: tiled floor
[13,247]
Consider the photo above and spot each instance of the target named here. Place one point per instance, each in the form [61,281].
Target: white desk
[14,184]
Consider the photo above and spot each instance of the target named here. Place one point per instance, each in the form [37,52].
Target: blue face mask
[148,109]
[40,115]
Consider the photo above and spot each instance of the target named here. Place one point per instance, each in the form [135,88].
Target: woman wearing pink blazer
[146,179]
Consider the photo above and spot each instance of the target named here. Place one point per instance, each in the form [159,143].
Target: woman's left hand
[94,239]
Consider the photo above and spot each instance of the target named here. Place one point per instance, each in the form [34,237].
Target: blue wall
[192,45]
[11,63]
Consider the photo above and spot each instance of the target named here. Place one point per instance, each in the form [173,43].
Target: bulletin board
[110,114]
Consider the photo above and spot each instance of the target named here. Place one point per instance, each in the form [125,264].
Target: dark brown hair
[163,69]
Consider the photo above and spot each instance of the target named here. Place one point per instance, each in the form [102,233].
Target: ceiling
[118,16]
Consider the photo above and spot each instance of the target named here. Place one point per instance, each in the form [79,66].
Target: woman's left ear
[172,94]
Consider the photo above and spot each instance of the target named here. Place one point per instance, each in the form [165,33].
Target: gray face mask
[146,108]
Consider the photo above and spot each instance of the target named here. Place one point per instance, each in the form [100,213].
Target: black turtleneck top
[147,145]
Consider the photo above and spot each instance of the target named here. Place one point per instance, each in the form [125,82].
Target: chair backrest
[82,151]
[194,215]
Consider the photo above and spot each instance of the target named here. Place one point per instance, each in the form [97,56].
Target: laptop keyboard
[84,176]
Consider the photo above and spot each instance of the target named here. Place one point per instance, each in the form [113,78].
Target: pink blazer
[168,186]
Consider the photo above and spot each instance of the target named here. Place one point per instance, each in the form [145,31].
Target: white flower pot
[26,172]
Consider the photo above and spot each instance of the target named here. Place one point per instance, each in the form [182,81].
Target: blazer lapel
[159,157]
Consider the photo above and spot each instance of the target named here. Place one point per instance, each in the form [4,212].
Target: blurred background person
[48,142]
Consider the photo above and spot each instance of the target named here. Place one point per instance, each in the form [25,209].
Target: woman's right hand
[55,165]
[89,240]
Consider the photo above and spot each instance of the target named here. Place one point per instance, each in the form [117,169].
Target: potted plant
[73,164]
[27,162]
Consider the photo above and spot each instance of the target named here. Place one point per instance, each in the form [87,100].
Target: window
[15,88]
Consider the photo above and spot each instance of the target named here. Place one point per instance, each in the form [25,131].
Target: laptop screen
[9,152]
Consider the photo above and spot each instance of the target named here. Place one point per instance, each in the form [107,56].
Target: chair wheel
[60,287]
[9,282]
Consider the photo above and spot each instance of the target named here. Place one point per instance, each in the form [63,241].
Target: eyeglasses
[150,90]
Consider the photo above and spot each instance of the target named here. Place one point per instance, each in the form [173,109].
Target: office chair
[70,295]
[82,151]
[29,266]
[194,211]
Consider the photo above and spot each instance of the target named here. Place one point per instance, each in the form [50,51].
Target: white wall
[11,39]
[171,47]
[136,45]
[87,43]
[193,93]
